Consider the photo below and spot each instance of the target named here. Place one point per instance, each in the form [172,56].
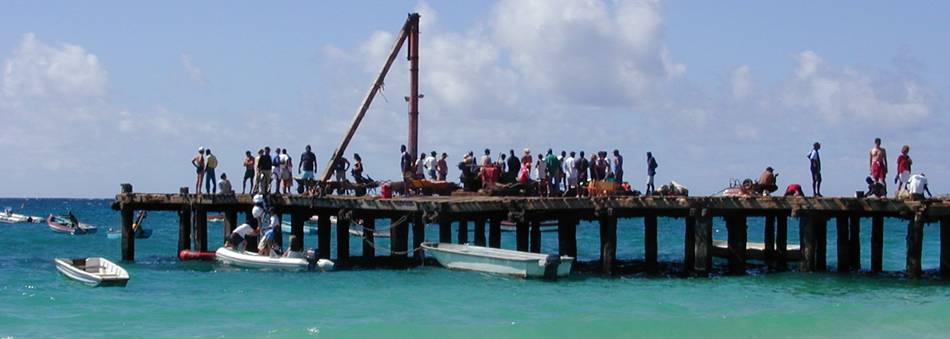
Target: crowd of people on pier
[554,173]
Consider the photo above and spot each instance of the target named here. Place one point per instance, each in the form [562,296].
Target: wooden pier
[409,215]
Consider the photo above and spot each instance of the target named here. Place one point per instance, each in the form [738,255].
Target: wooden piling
[769,235]
[855,242]
[184,224]
[915,237]
[806,236]
[877,244]
[536,236]
[781,242]
[418,236]
[343,238]
[689,244]
[230,223]
[296,229]
[945,248]
[842,226]
[445,230]
[703,241]
[399,235]
[650,242]
[463,231]
[479,231]
[278,231]
[201,230]
[608,241]
[128,235]
[821,243]
[323,234]
[738,235]
[521,236]
[369,239]
[250,241]
[494,231]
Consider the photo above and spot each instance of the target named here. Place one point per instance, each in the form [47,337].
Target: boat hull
[499,261]
[253,260]
[57,226]
[95,271]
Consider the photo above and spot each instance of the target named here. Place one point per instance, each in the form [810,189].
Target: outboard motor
[550,264]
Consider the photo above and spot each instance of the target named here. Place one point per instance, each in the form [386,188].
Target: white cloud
[193,71]
[742,84]
[66,72]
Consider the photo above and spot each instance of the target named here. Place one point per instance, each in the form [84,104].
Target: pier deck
[409,215]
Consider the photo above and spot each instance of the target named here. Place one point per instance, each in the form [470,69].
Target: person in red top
[903,168]
[794,190]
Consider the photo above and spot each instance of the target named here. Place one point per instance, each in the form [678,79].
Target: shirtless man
[877,161]
[199,162]
[248,172]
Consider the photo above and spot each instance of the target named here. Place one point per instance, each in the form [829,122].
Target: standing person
[815,162]
[524,171]
[502,165]
[551,164]
[917,186]
[593,167]
[358,169]
[340,167]
[581,165]
[211,162]
[542,168]
[486,159]
[602,165]
[877,161]
[286,171]
[248,172]
[618,166]
[903,168]
[561,182]
[514,166]
[405,165]
[431,166]
[651,172]
[442,167]
[264,167]
[308,164]
[275,169]
[421,167]
[570,168]
[199,162]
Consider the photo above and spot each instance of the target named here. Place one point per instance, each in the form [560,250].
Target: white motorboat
[253,260]
[501,261]
[755,250]
[93,271]
[7,216]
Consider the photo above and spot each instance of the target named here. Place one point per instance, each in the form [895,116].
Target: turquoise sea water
[168,298]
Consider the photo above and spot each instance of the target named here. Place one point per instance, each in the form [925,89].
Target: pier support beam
[399,235]
[768,252]
[567,236]
[915,238]
[806,236]
[184,224]
[323,234]
[877,244]
[821,244]
[521,236]
[418,236]
[445,230]
[650,245]
[738,235]
[689,243]
[536,236]
[494,231]
[128,235]
[463,231]
[855,243]
[843,233]
[369,238]
[230,223]
[945,248]
[781,242]
[343,237]
[703,241]
[201,230]
[608,241]
[278,230]
[296,229]
[250,242]
[479,231]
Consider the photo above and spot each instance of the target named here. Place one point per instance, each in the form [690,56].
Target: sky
[95,94]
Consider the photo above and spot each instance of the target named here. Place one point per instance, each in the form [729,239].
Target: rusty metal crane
[410,33]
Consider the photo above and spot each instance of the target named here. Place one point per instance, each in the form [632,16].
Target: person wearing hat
[199,162]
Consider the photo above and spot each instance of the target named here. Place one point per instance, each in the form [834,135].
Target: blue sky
[99,93]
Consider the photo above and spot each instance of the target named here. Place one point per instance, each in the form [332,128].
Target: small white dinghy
[501,261]
[94,271]
[248,259]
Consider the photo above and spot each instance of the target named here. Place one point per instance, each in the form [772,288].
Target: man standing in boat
[815,164]
[877,161]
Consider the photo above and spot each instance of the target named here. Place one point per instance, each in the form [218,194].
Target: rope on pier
[376,246]
[387,228]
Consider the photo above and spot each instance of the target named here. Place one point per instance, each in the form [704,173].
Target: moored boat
[755,250]
[117,234]
[7,216]
[93,271]
[500,261]
[248,259]
[64,225]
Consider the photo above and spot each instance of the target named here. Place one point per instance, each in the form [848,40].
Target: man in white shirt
[917,185]
[570,170]
[430,165]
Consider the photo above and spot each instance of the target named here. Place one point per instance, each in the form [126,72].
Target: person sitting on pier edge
[225,185]
[767,182]
[199,162]
[917,186]
[442,166]
[875,189]
[794,190]
[240,235]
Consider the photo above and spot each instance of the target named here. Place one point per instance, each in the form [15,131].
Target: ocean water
[169,298]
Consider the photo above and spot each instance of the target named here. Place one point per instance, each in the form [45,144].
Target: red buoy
[195,255]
